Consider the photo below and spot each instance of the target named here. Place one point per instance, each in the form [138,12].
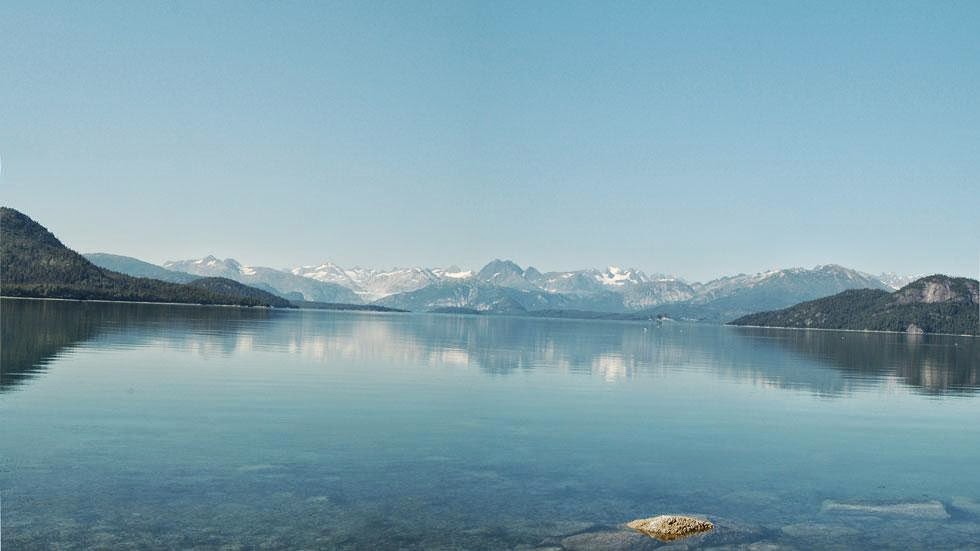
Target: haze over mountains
[372,284]
[35,264]
[280,282]
[502,286]
[138,268]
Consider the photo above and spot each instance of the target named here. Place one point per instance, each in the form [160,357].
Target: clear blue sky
[693,138]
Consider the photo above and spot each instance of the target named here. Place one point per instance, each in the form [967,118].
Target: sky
[693,138]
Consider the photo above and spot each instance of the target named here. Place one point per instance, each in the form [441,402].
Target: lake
[157,426]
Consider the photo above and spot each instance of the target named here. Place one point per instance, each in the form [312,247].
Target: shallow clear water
[127,425]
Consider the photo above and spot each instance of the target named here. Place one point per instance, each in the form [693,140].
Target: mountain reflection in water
[36,333]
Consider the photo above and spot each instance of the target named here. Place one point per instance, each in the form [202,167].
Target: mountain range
[283,283]
[503,286]
[372,284]
[36,264]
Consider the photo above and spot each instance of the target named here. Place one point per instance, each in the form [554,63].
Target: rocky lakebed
[926,524]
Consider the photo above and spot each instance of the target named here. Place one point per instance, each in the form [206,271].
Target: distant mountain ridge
[34,263]
[503,286]
[897,281]
[492,288]
[372,284]
[137,268]
[933,304]
[617,290]
[280,282]
[476,295]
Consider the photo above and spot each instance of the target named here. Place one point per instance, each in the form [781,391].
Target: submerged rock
[670,527]
[549,529]
[966,504]
[932,510]
[765,546]
[620,540]
[819,531]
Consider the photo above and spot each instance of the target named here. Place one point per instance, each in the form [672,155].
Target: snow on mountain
[327,272]
[452,272]
[656,292]
[576,282]
[819,281]
[730,297]
[280,282]
[209,266]
[504,286]
[617,289]
[372,284]
[474,294]
[897,281]
[618,277]
[613,289]
[381,283]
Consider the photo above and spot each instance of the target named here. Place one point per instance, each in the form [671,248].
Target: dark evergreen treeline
[34,263]
[934,304]
[229,287]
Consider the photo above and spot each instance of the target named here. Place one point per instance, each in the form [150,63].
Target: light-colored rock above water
[931,510]
[670,527]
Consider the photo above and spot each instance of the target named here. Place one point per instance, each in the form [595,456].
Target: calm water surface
[144,426]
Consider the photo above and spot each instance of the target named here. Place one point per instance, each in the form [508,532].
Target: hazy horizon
[688,139]
[479,265]
[524,265]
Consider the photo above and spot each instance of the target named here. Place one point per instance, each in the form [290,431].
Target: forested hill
[34,263]
[232,288]
[933,304]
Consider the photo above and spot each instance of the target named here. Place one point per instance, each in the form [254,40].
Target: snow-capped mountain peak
[616,276]
[279,282]
[897,281]
[505,283]
[326,271]
[372,284]
[212,261]
[452,272]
